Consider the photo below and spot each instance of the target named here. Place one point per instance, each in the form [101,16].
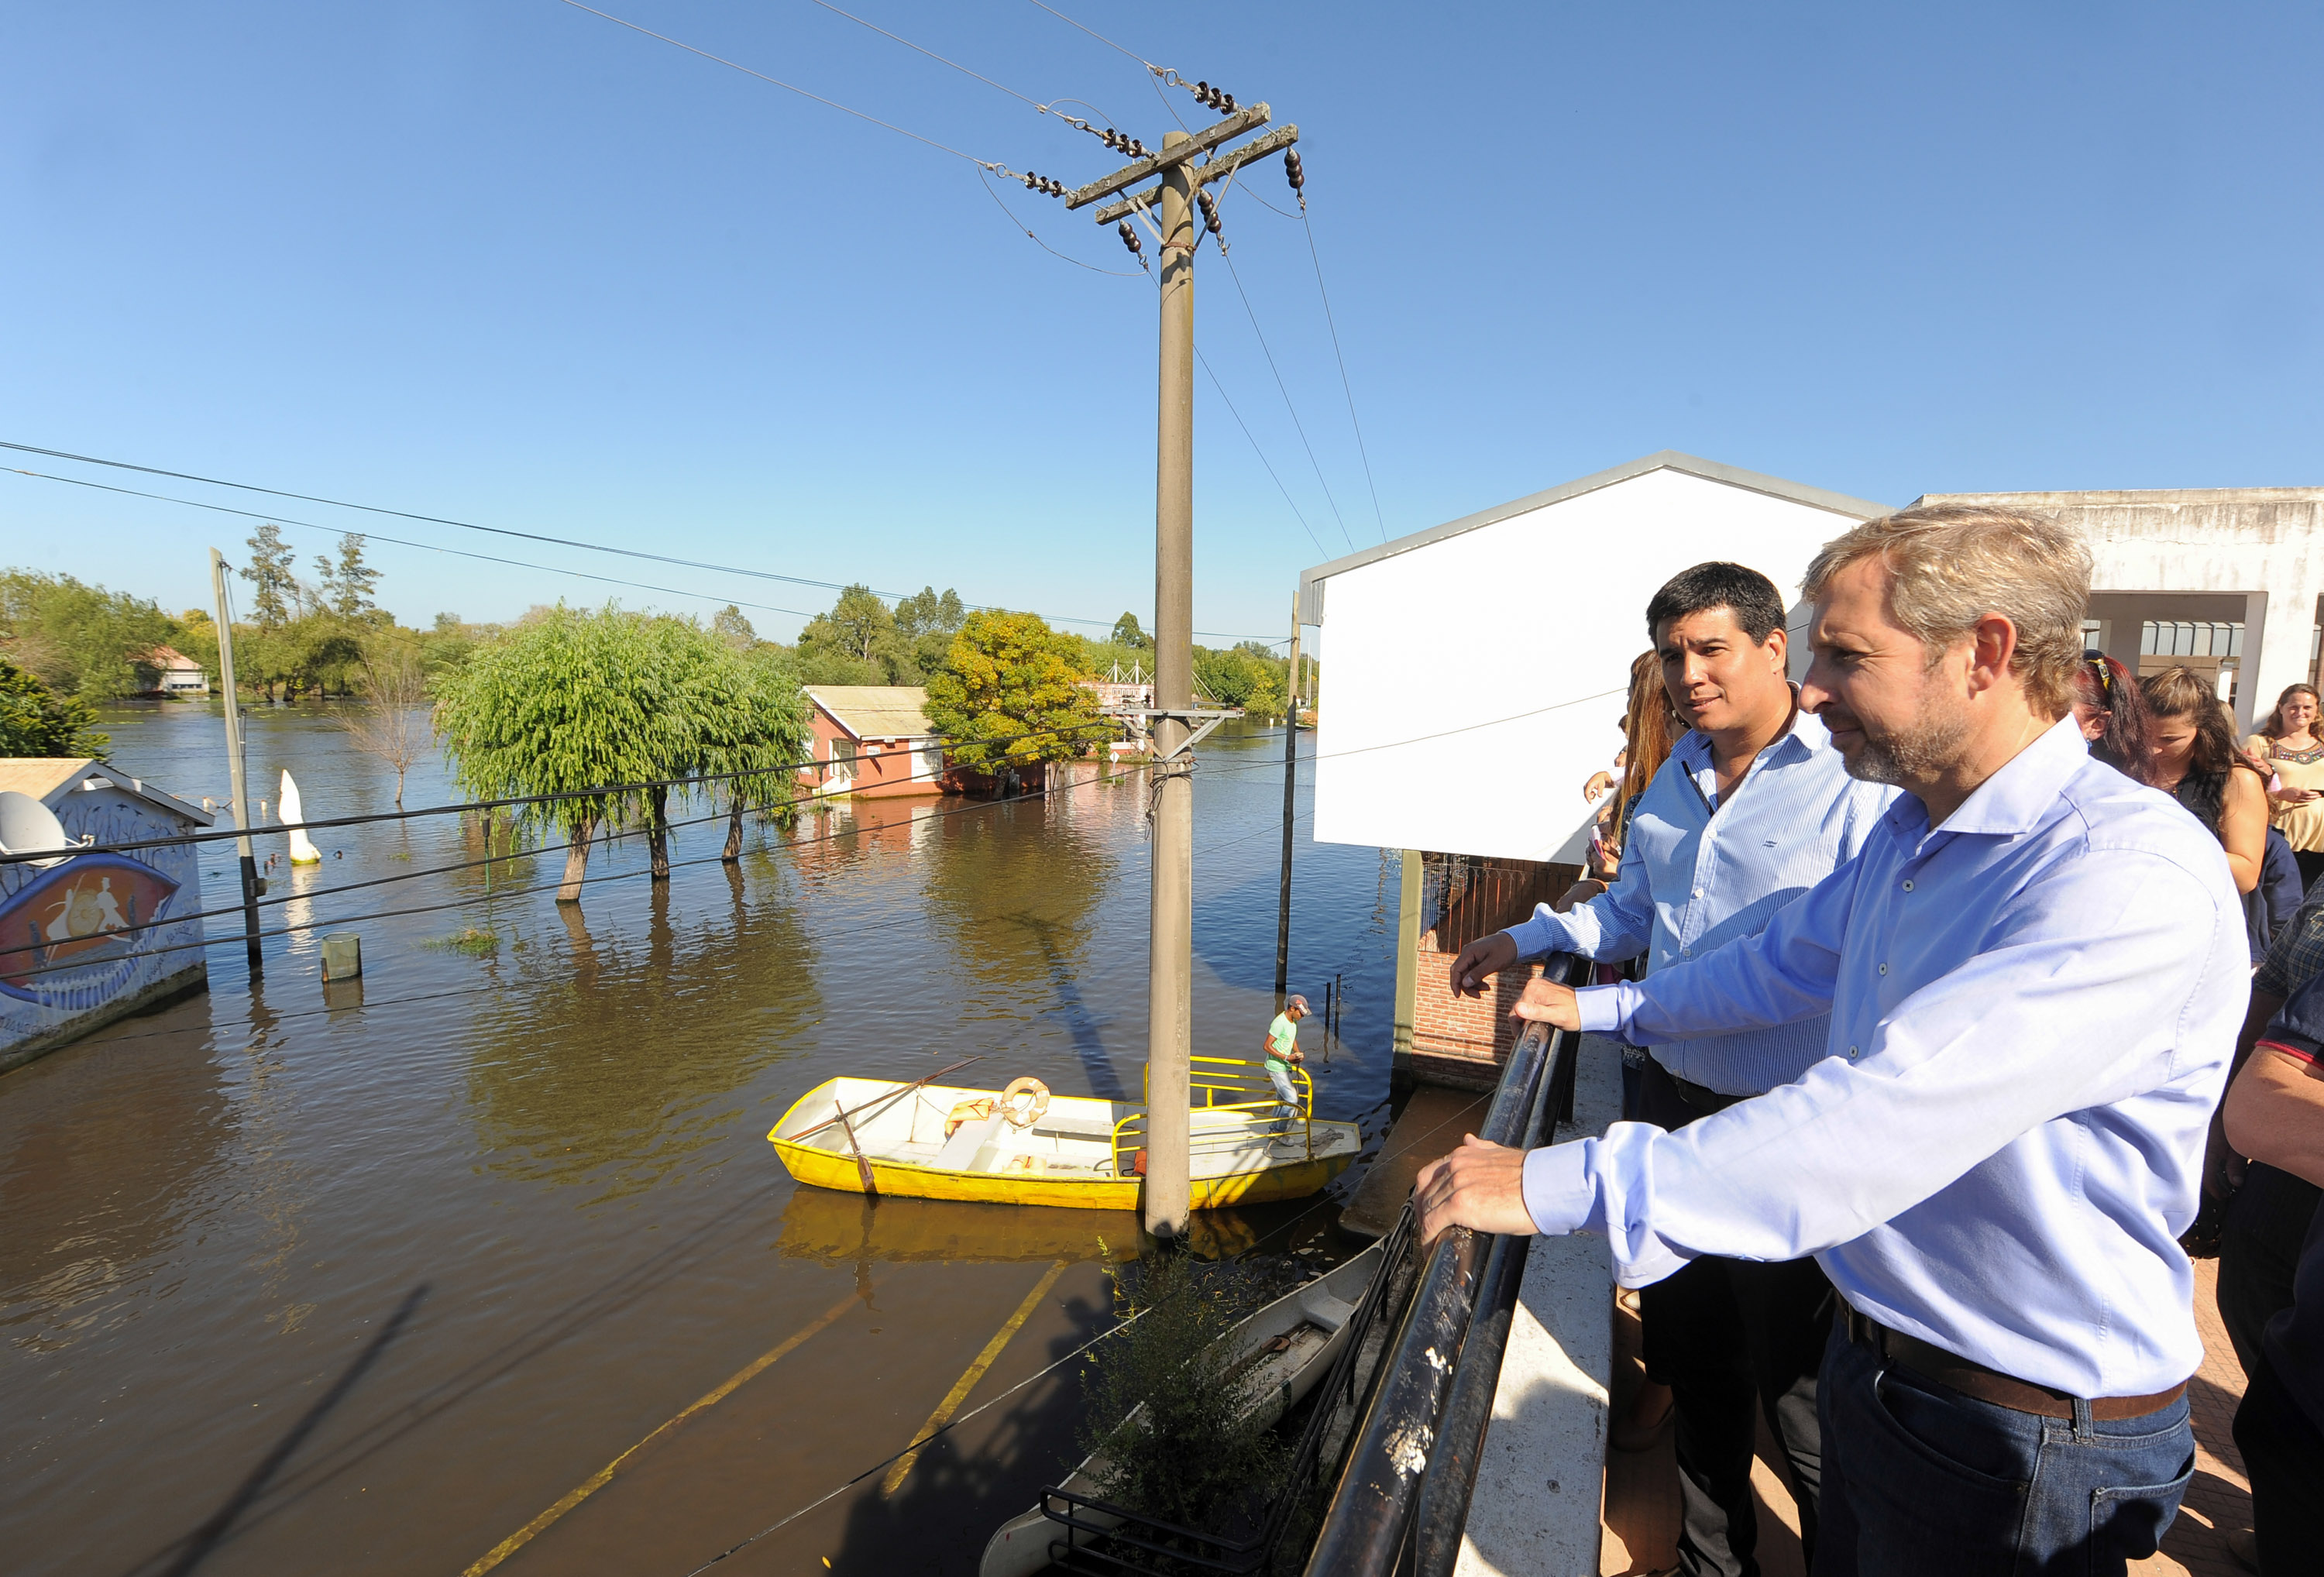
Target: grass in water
[1174,1421]
[474,939]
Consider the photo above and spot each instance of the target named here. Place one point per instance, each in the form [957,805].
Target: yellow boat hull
[1254,1175]
[903,1181]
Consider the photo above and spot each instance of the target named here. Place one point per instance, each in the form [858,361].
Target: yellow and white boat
[1022,1145]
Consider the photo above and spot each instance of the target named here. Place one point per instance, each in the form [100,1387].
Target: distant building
[874,740]
[91,938]
[167,671]
[1128,697]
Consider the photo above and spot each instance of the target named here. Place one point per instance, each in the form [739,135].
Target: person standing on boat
[2035,971]
[1282,1054]
[1752,808]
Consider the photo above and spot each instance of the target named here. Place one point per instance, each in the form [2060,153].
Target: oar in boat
[883,1100]
[863,1166]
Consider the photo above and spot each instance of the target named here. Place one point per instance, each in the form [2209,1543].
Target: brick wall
[1462,1041]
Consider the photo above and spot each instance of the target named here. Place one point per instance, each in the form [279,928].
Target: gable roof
[167,657]
[1311,587]
[875,711]
[49,778]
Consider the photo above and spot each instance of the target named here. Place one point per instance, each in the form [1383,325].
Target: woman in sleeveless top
[2288,742]
[2191,746]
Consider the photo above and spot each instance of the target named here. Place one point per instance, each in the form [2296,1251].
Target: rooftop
[49,778]
[876,710]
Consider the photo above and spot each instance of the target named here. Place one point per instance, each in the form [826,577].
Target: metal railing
[1254,1111]
[1402,1498]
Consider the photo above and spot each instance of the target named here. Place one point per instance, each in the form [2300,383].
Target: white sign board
[1473,682]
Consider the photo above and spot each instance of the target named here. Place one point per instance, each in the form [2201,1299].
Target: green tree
[80,640]
[925,613]
[274,588]
[766,730]
[34,721]
[566,701]
[730,626]
[1008,675]
[1128,632]
[1248,676]
[347,583]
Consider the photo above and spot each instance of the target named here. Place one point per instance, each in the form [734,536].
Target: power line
[1263,460]
[1346,387]
[1288,405]
[424,547]
[491,530]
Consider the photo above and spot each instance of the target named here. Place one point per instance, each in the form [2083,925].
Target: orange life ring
[1028,1113]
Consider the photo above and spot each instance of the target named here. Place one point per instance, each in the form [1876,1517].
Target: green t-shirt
[1282,1038]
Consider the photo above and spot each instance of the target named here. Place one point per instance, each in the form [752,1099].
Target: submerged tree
[392,724]
[765,734]
[566,701]
[274,587]
[1009,695]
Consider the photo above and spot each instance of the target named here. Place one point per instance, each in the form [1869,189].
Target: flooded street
[388,1282]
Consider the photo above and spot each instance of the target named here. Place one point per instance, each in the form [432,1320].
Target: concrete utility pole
[1290,794]
[234,760]
[1170,1013]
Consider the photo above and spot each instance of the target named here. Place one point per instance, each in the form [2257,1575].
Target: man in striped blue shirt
[1753,808]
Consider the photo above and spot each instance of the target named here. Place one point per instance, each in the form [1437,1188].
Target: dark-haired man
[1753,808]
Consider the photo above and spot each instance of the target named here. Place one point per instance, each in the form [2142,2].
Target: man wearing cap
[1282,1051]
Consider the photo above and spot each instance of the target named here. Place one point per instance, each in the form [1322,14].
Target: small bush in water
[1173,1418]
[472,939]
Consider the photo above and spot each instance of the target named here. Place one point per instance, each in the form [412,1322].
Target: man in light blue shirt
[2035,972]
[1753,808]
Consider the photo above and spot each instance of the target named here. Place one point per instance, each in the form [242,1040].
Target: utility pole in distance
[1170,1009]
[235,761]
[1290,794]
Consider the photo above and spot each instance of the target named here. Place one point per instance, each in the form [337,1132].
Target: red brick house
[873,740]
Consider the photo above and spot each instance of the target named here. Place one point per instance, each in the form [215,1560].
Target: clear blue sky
[510,262]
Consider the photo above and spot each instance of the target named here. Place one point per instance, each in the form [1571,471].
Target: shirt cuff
[1558,1194]
[1538,937]
[2305,1052]
[1605,1009]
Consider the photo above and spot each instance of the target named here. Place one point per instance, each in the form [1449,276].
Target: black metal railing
[1402,1498]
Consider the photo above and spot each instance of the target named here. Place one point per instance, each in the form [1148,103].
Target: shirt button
[1698,892]
[1908,884]
[1687,953]
[1884,969]
[1851,1053]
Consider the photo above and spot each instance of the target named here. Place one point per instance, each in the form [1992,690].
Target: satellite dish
[27,826]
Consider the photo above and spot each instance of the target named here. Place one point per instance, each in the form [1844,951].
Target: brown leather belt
[1973,1379]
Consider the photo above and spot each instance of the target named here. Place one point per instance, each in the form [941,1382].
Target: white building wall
[1472,683]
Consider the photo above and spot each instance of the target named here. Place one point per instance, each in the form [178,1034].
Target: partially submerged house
[873,740]
[1481,668]
[164,670]
[86,938]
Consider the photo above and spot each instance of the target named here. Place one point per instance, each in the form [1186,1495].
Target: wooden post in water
[235,761]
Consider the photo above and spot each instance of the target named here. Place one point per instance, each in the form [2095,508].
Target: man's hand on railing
[1548,1002]
[1479,1186]
[1486,955]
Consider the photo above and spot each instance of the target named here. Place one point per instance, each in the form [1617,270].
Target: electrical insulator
[1291,170]
[1230,105]
[1210,210]
[1129,239]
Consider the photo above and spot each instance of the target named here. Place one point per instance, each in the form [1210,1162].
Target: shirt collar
[2013,800]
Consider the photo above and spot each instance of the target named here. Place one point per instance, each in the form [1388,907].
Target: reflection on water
[212,1209]
[606,1062]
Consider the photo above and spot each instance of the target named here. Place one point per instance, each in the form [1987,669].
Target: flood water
[378,1282]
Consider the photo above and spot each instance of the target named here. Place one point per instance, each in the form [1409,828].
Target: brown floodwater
[378,1281]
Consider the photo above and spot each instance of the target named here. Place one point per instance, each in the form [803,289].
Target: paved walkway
[1640,1515]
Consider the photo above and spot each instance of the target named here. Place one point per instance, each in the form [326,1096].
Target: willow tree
[1009,695]
[758,742]
[566,701]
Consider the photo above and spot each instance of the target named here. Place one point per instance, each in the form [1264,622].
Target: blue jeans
[1281,1076]
[1920,1480]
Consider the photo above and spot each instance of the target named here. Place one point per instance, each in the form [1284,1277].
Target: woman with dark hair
[2287,742]
[2113,716]
[2192,755]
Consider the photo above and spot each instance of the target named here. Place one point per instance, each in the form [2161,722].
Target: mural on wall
[90,936]
[73,934]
